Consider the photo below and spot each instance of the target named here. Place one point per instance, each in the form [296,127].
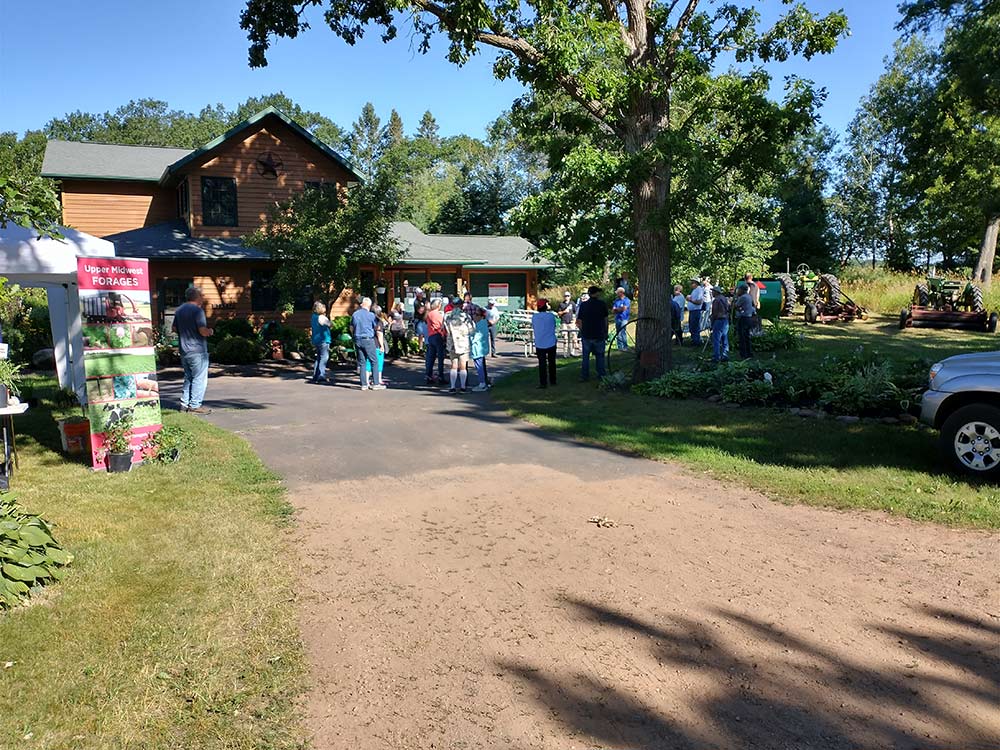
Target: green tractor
[820,294]
[946,303]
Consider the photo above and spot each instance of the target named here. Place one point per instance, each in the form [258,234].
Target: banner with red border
[119,356]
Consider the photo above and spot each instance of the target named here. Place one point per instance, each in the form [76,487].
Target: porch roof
[170,241]
[488,251]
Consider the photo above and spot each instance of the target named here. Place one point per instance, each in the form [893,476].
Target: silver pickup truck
[963,401]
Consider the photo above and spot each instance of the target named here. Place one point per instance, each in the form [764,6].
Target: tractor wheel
[991,324]
[828,289]
[904,318]
[921,295]
[976,303]
[812,312]
[791,297]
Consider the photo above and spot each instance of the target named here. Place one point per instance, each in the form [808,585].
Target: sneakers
[364,387]
[199,410]
[480,388]
[378,387]
[453,390]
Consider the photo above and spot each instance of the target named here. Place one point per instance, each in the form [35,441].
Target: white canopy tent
[30,260]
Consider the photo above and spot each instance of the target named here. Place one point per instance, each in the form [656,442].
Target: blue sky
[58,56]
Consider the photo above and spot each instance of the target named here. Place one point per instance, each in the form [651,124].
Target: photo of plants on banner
[119,358]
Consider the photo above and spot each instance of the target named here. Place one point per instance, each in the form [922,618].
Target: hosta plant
[29,556]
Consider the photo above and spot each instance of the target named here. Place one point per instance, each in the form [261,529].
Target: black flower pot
[119,462]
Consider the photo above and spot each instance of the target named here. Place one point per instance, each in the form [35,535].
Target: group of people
[461,330]
[711,307]
[457,329]
[454,328]
[590,316]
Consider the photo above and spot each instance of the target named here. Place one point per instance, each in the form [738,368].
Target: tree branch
[528,53]
[611,11]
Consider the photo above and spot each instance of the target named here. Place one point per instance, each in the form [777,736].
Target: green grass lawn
[174,627]
[820,462]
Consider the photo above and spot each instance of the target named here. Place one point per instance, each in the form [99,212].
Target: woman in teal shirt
[321,340]
[479,347]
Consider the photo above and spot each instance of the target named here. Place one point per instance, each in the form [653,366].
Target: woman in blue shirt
[320,340]
[543,325]
[479,347]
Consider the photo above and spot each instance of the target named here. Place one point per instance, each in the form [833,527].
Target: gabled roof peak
[269,111]
[118,161]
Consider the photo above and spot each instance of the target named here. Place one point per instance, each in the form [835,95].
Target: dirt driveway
[454,594]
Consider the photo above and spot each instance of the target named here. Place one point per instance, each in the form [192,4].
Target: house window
[266,297]
[183,200]
[218,202]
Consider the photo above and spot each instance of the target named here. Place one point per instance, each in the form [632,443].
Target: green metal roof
[482,251]
[236,129]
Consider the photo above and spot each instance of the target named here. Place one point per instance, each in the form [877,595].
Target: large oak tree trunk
[983,274]
[653,253]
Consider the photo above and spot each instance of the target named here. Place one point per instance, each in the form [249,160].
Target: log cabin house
[187,210]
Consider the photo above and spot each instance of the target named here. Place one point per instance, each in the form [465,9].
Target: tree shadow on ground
[778,689]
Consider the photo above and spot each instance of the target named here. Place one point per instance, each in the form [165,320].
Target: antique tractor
[821,295]
[945,303]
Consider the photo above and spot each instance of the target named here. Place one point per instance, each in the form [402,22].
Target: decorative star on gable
[268,165]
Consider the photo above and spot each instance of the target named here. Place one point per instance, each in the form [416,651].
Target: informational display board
[500,293]
[119,358]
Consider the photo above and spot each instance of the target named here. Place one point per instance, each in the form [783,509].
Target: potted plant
[10,377]
[380,287]
[432,289]
[117,443]
[164,445]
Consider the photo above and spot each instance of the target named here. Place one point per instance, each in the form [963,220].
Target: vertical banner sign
[118,358]
[500,293]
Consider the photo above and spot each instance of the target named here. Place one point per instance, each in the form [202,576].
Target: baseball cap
[491,301]
[567,294]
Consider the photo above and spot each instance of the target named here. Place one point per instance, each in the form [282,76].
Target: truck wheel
[921,295]
[970,438]
[790,295]
[976,304]
[828,289]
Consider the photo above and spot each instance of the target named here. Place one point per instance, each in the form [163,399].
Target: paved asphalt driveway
[320,433]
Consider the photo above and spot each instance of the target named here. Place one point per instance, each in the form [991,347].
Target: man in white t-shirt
[706,311]
[695,305]
[492,318]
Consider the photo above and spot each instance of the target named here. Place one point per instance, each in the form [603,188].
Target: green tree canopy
[322,236]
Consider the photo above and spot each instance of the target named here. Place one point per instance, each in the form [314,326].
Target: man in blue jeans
[720,326]
[192,334]
[592,320]
[622,307]
[365,330]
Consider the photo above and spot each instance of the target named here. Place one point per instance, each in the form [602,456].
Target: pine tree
[365,141]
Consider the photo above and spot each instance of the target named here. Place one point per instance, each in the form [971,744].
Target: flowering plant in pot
[117,439]
[10,378]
